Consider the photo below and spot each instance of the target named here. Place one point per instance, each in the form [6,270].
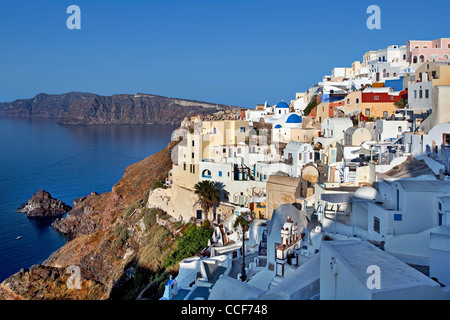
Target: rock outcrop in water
[42,204]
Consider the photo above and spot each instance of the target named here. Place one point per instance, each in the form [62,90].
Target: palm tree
[208,195]
[243,220]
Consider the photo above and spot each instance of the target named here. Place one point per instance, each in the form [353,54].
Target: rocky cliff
[115,242]
[41,106]
[87,108]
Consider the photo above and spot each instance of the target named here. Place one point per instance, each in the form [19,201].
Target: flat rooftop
[395,274]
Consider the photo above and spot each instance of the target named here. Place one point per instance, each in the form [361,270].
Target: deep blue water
[67,161]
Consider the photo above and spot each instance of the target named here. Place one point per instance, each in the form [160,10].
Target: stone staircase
[323,174]
[276,280]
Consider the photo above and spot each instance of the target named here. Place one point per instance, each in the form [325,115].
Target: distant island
[80,108]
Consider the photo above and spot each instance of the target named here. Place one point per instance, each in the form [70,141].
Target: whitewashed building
[357,270]
[387,130]
[298,154]
[335,128]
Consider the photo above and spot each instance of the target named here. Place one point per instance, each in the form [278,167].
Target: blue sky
[225,51]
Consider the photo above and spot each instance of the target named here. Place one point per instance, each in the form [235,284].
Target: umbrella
[363,151]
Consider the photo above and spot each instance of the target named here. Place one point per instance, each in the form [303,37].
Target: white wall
[386,130]
[440,257]
[335,127]
[346,276]
[414,99]
[436,135]
[342,285]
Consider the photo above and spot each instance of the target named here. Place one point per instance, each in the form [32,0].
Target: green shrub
[128,211]
[193,241]
[157,185]
[311,105]
[124,235]
[149,217]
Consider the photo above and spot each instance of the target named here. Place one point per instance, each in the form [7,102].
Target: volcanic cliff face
[87,108]
[109,232]
[41,106]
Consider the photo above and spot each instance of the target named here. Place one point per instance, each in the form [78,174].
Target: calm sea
[67,161]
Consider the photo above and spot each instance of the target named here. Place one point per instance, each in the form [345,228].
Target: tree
[311,105]
[401,103]
[208,195]
[243,220]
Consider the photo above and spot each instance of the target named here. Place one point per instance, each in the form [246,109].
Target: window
[400,129]
[420,94]
[367,112]
[184,166]
[392,98]
[193,143]
[214,131]
[193,155]
[415,94]
[220,173]
[446,139]
[348,101]
[398,217]
[376,98]
[206,173]
[199,214]
[427,94]
[376,224]
[242,129]
[357,100]
[398,199]
[385,113]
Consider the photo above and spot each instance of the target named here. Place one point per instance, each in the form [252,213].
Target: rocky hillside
[118,245]
[87,108]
